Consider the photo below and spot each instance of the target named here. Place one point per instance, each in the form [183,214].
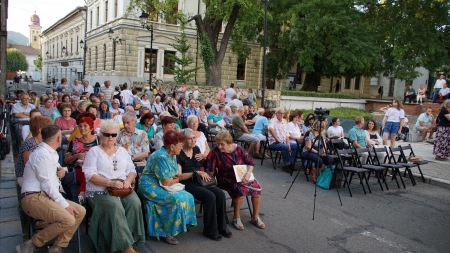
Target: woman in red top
[65,122]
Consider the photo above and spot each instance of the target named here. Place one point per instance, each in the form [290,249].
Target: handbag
[172,188]
[415,159]
[120,192]
[324,179]
[197,178]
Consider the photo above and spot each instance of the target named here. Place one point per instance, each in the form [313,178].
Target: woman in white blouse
[335,131]
[202,143]
[295,134]
[145,101]
[116,223]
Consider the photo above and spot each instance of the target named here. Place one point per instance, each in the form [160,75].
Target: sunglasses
[110,135]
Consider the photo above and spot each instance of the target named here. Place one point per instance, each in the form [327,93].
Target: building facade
[125,55]
[62,53]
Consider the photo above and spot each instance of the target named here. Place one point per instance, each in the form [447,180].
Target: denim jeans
[320,160]
[435,95]
[283,147]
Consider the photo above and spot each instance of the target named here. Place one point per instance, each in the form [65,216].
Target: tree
[219,14]
[326,38]
[413,33]
[181,72]
[38,62]
[15,60]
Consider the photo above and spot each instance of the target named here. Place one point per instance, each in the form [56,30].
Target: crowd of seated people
[107,135]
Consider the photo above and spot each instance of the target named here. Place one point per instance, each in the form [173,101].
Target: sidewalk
[10,223]
[435,172]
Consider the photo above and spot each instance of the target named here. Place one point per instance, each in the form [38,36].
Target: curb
[433,180]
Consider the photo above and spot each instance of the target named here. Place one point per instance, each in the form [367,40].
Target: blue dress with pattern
[168,213]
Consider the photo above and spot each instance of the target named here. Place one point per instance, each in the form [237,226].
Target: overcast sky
[49,11]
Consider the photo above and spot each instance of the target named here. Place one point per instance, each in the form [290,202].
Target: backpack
[136,103]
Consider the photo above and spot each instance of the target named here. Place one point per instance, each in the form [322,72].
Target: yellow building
[34,32]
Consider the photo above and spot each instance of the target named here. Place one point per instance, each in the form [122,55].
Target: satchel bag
[415,159]
[197,178]
[120,192]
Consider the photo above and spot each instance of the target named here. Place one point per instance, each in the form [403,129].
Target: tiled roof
[25,49]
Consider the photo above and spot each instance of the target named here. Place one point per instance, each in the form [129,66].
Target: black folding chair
[411,154]
[400,161]
[346,156]
[395,168]
[267,147]
[377,170]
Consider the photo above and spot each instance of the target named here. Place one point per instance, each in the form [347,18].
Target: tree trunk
[311,82]
[215,78]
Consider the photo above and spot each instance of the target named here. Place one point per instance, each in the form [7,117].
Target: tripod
[321,145]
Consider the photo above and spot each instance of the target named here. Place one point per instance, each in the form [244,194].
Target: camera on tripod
[321,112]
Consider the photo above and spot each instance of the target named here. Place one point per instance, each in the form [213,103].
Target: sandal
[237,223]
[170,240]
[258,223]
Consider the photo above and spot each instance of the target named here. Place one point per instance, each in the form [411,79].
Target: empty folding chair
[400,161]
[411,154]
[345,155]
[395,168]
[377,170]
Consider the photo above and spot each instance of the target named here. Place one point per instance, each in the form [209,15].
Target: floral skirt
[442,142]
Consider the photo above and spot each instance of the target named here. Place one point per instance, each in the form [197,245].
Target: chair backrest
[395,151]
[375,153]
[338,144]
[348,155]
[403,157]
[408,147]
[359,151]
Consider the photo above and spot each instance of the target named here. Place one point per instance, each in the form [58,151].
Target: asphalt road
[415,219]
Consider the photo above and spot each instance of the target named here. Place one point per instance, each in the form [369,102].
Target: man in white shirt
[41,198]
[76,86]
[21,110]
[235,102]
[126,95]
[437,87]
[445,91]
[107,90]
[229,93]
[87,88]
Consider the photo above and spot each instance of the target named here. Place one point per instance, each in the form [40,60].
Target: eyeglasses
[107,135]
[193,123]
[67,110]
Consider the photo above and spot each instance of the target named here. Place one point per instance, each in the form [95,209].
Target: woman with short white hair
[202,143]
[116,223]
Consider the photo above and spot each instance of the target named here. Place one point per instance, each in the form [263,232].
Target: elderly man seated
[135,141]
[241,133]
[235,101]
[279,139]
[424,123]
[21,110]
[359,139]
[41,198]
[445,91]
[118,118]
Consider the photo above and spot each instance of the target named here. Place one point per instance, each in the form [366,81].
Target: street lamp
[82,46]
[263,84]
[143,18]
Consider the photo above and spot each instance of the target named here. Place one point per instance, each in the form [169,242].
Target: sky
[49,12]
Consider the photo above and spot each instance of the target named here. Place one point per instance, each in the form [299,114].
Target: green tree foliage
[326,37]
[38,62]
[15,60]
[412,33]
[222,21]
[182,73]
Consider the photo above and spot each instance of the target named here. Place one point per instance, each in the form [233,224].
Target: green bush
[343,113]
[15,60]
[316,94]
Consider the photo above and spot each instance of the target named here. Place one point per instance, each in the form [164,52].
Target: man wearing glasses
[135,141]
[279,139]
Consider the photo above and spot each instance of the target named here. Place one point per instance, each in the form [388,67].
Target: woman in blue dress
[168,213]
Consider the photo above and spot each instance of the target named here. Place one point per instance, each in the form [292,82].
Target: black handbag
[197,178]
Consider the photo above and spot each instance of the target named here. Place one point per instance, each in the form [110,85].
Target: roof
[71,14]
[25,49]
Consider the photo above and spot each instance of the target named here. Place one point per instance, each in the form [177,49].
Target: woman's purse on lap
[120,192]
[172,188]
[197,178]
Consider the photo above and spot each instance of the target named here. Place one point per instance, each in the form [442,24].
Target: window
[106,11]
[96,58]
[35,38]
[115,8]
[104,56]
[170,18]
[347,82]
[357,82]
[150,65]
[169,64]
[98,16]
[240,75]
[90,19]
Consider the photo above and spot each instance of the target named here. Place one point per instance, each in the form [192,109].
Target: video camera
[321,112]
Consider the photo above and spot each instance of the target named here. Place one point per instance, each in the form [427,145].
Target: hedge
[343,113]
[297,93]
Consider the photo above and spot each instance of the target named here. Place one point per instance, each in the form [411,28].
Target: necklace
[112,157]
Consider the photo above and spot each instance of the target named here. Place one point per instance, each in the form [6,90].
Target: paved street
[415,219]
